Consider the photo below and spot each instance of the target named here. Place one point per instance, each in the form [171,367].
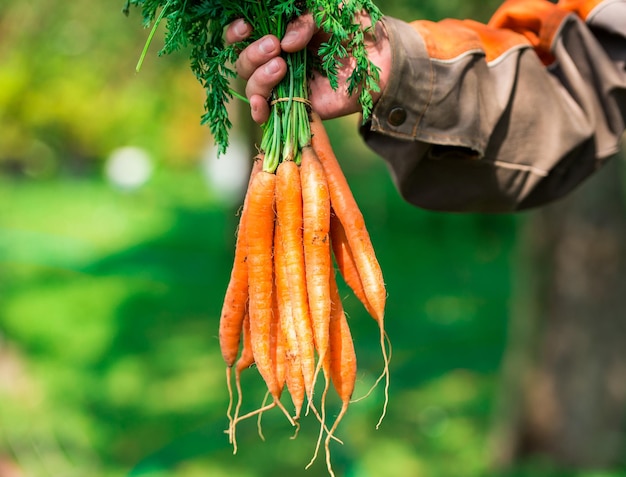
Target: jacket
[507,115]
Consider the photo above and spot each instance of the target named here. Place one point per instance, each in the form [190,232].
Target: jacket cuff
[609,15]
[411,76]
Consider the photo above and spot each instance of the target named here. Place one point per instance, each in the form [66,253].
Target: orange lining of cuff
[450,38]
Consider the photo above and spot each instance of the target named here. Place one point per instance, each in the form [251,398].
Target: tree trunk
[564,372]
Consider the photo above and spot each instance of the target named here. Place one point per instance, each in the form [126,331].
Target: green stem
[239,96]
[288,130]
[151,35]
[288,117]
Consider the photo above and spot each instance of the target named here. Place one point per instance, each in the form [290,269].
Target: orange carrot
[342,354]
[289,216]
[277,355]
[345,261]
[277,343]
[318,263]
[295,383]
[246,359]
[235,302]
[317,256]
[349,214]
[294,377]
[231,318]
[259,239]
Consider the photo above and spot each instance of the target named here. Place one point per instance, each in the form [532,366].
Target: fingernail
[241,28]
[266,46]
[272,67]
[290,37]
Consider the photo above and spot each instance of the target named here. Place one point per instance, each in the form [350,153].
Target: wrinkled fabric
[507,115]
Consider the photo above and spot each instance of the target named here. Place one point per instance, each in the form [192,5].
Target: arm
[487,118]
[501,117]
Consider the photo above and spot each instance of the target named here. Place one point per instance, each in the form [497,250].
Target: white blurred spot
[128,168]
[228,174]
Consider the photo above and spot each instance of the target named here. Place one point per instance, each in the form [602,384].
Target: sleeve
[507,115]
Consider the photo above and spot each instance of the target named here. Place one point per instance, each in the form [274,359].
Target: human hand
[261,65]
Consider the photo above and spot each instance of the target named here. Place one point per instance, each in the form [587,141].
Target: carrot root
[229,409]
[259,426]
[342,412]
[323,422]
[384,375]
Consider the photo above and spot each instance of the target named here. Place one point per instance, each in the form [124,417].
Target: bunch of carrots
[282,311]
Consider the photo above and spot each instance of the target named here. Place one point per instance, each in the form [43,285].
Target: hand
[262,67]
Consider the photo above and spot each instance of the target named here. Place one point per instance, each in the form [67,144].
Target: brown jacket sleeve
[503,116]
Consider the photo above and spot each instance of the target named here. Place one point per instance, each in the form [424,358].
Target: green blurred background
[110,288]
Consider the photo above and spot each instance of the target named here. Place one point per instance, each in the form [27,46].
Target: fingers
[299,33]
[264,78]
[260,85]
[237,31]
[259,109]
[263,68]
[256,55]
[260,63]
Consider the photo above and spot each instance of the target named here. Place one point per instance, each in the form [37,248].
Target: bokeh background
[117,228]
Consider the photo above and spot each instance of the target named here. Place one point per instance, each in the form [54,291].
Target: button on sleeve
[397,116]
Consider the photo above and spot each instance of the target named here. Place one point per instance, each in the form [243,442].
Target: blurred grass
[109,313]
